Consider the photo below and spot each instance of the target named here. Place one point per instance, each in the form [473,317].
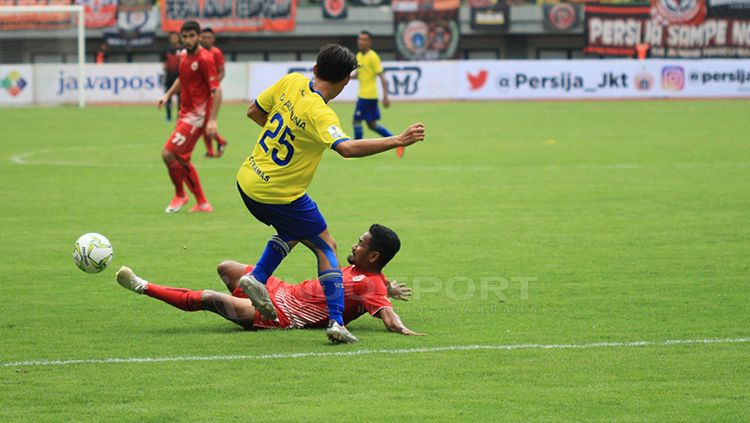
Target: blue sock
[275,251]
[333,287]
[358,132]
[331,280]
[383,132]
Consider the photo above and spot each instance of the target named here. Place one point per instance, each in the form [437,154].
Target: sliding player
[299,306]
[208,41]
[367,103]
[200,100]
[298,126]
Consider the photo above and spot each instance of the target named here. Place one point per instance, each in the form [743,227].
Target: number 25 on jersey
[284,140]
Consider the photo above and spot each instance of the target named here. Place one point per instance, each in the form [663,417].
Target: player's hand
[409,332]
[412,134]
[162,101]
[399,291]
[386,102]
[211,128]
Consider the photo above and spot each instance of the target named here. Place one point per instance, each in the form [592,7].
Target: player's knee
[372,124]
[224,267]
[228,273]
[168,156]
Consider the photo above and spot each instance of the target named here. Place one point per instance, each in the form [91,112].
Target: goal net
[33,33]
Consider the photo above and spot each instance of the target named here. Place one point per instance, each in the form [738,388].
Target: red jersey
[304,305]
[197,78]
[218,57]
[171,60]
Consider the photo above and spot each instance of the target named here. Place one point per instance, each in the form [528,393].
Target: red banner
[99,13]
[25,21]
[687,29]
[231,15]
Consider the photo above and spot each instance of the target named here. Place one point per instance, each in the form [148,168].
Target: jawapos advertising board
[601,79]
[16,85]
[120,83]
[406,80]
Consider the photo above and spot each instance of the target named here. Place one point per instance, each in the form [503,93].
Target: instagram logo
[672,78]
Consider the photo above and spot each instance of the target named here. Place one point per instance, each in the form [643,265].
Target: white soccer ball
[92,252]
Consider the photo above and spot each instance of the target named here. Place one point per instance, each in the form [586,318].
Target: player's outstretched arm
[393,322]
[363,148]
[175,88]
[257,115]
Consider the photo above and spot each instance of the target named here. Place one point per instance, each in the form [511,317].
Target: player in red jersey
[208,41]
[200,99]
[366,290]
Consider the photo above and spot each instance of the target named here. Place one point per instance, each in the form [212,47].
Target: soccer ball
[92,252]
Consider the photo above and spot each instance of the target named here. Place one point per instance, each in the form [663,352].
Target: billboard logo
[672,78]
[403,80]
[643,81]
[562,16]
[477,81]
[679,11]
[14,83]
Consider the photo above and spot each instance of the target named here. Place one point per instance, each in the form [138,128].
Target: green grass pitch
[521,223]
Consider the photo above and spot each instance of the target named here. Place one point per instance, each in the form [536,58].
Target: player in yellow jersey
[367,108]
[298,126]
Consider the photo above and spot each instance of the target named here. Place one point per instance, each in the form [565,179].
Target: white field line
[27,159]
[501,347]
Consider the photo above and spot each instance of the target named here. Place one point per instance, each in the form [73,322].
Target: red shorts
[183,139]
[258,321]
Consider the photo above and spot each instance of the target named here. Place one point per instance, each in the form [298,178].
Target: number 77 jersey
[299,129]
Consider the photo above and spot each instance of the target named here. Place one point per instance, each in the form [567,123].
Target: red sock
[182,298]
[220,140]
[209,145]
[193,182]
[176,175]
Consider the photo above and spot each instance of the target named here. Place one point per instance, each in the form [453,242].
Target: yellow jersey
[300,127]
[369,68]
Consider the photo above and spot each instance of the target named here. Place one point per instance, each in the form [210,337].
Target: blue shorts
[296,221]
[367,110]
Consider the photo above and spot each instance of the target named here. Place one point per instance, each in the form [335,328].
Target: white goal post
[78,12]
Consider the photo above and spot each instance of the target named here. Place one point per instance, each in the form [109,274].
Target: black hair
[368,33]
[191,26]
[335,63]
[207,29]
[384,241]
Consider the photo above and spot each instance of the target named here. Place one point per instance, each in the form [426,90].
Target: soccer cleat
[130,281]
[338,334]
[176,204]
[210,155]
[258,295]
[220,148]
[400,152]
[202,207]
